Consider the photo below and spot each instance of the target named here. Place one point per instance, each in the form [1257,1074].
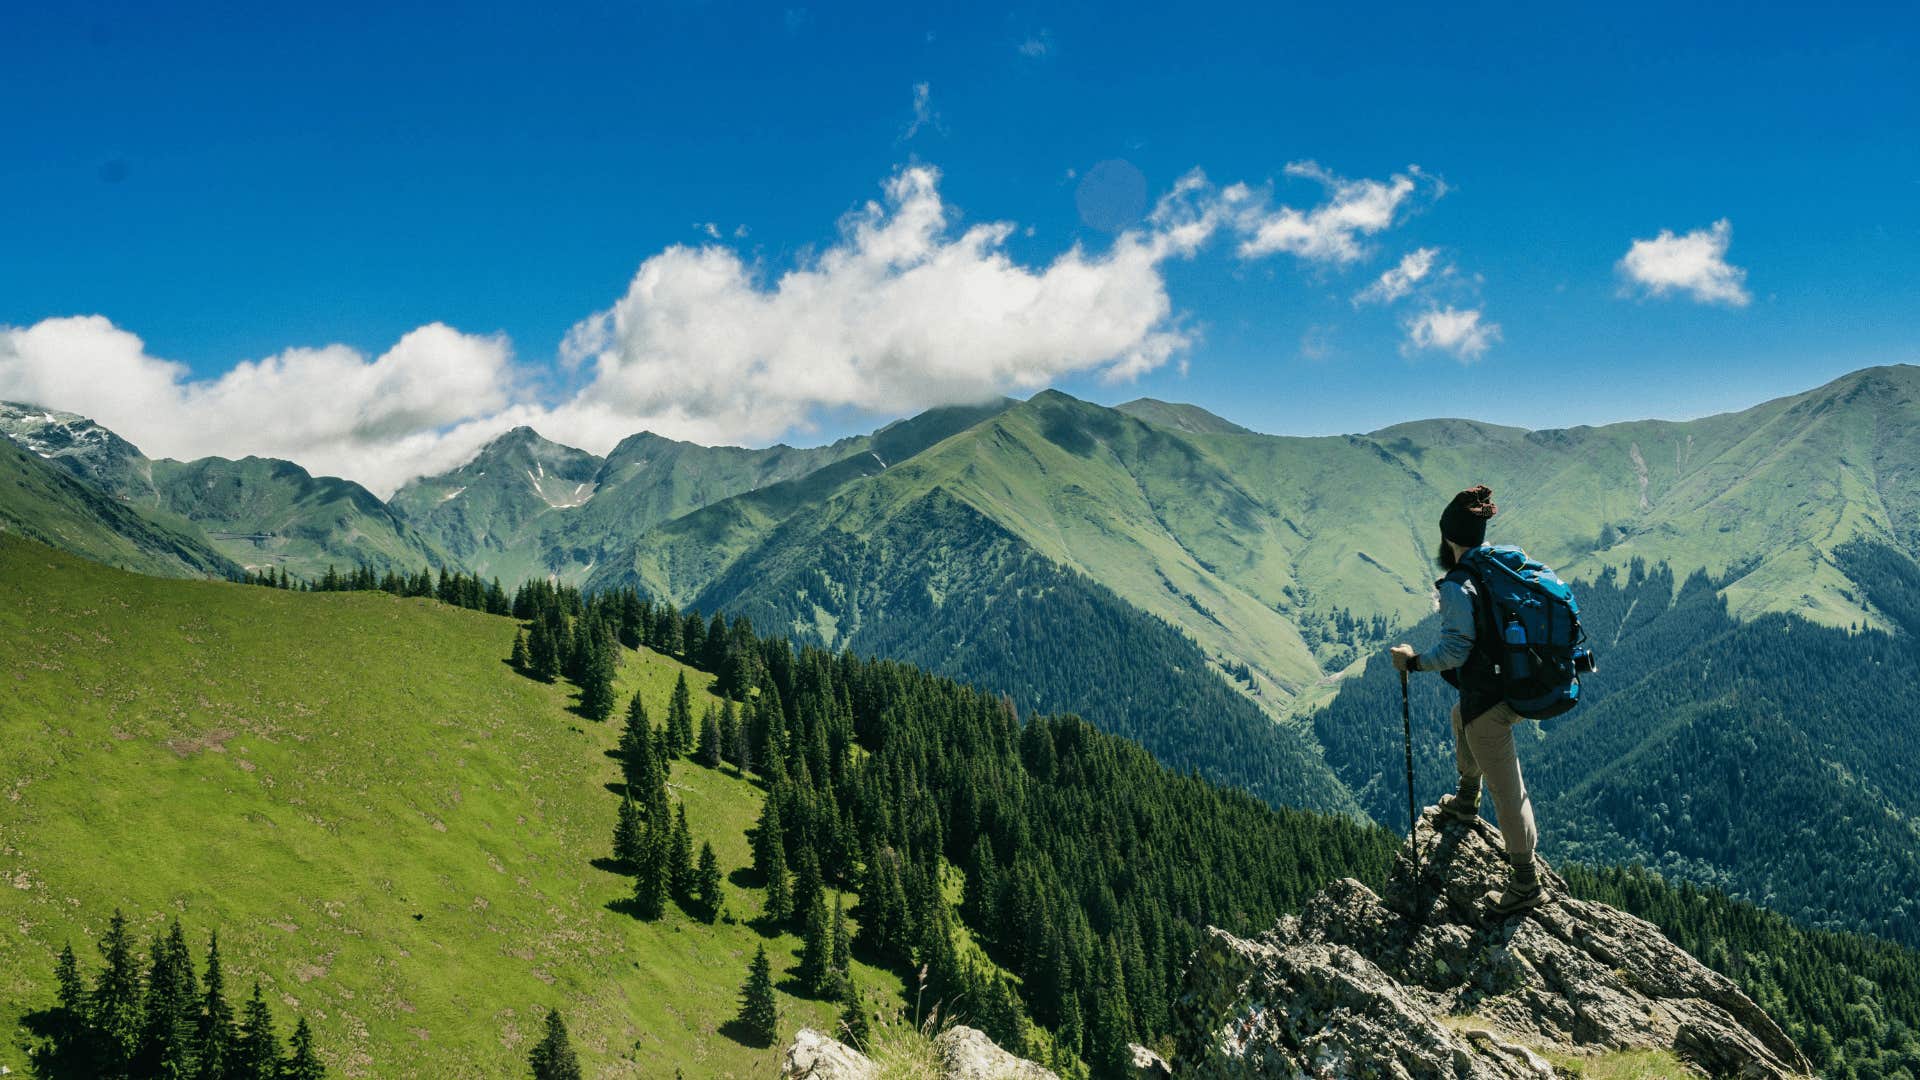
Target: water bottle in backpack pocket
[1533,622]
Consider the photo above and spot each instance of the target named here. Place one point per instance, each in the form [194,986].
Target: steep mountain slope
[383,821]
[262,513]
[492,514]
[43,502]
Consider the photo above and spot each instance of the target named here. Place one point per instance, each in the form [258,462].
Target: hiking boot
[1523,892]
[1462,805]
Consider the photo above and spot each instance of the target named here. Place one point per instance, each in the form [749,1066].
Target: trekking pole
[1406,728]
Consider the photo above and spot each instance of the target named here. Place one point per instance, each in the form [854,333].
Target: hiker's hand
[1403,655]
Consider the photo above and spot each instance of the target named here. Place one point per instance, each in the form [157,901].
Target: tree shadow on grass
[628,906]
[612,866]
[739,1032]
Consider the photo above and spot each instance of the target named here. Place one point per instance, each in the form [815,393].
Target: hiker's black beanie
[1465,520]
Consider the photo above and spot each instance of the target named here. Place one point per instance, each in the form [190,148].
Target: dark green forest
[1089,869]
[983,606]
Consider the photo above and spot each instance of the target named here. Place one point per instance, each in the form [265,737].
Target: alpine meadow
[884,543]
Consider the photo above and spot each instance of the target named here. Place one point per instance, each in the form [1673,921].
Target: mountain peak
[1181,417]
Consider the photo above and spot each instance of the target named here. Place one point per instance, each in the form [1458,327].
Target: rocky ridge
[1423,982]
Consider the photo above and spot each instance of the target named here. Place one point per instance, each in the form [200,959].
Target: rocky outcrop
[967,1054]
[814,1056]
[1422,981]
[964,1053]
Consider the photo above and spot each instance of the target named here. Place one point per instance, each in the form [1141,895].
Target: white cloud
[1036,45]
[1332,231]
[1452,330]
[903,309]
[1695,263]
[414,408]
[1399,279]
[899,314]
[923,114]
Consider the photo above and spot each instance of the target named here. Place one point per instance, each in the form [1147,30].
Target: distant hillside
[527,507]
[262,513]
[42,502]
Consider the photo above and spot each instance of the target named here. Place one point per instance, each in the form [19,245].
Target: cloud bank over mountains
[902,311]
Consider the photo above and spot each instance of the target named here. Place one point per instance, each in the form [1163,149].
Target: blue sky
[234,183]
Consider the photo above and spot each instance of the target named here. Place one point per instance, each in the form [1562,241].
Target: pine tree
[706,883]
[1112,1027]
[520,658]
[855,1029]
[257,1056]
[816,951]
[596,680]
[729,732]
[842,959]
[779,906]
[113,1009]
[693,638]
[808,888]
[215,1040]
[553,1057]
[650,881]
[680,717]
[543,660]
[716,651]
[768,835]
[680,857]
[171,1007]
[302,1062]
[758,1013]
[628,835]
[71,1049]
[708,753]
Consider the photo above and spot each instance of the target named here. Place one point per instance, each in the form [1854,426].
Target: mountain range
[1208,591]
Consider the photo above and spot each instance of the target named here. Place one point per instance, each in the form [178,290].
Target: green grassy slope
[43,502]
[391,829]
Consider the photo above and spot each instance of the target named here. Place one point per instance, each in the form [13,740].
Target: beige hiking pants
[1484,750]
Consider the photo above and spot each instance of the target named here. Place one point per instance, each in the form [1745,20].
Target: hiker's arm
[1456,631]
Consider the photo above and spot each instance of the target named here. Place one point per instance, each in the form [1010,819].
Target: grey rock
[967,1054]
[1358,984]
[814,1056]
[964,1054]
[1146,1065]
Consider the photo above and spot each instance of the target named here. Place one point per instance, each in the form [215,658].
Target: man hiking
[1482,720]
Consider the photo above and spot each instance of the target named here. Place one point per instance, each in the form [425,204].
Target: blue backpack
[1531,623]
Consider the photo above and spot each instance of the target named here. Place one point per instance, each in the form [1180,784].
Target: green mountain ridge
[44,502]
[261,513]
